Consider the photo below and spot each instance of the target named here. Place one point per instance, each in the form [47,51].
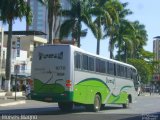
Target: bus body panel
[50,73]
[112,90]
[56,78]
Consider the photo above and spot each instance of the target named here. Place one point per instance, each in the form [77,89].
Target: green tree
[102,16]
[54,11]
[142,38]
[113,7]
[145,65]
[125,32]
[78,13]
[124,40]
[135,37]
[11,10]
[144,69]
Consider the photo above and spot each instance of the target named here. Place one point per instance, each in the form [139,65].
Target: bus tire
[65,106]
[95,107]
[97,103]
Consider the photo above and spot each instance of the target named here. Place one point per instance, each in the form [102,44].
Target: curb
[13,103]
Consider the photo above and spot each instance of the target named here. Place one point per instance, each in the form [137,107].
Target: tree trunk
[119,50]
[79,24]
[98,47]
[50,20]
[50,30]
[111,51]
[8,60]
[125,52]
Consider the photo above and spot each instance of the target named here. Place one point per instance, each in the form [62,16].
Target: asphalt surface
[146,108]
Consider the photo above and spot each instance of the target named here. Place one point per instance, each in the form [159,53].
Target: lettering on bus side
[52,55]
[110,81]
[60,67]
[60,74]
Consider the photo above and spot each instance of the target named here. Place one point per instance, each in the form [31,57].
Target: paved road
[146,108]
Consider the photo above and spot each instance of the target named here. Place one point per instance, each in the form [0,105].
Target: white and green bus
[71,76]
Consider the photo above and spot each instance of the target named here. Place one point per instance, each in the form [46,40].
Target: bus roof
[75,48]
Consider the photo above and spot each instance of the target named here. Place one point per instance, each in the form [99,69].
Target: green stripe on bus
[47,88]
[84,92]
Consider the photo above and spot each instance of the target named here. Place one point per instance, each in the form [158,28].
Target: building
[156,51]
[40,17]
[21,55]
[39,21]
[1,53]
[22,50]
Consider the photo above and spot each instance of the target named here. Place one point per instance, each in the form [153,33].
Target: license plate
[49,99]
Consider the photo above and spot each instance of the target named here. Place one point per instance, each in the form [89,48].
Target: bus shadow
[51,111]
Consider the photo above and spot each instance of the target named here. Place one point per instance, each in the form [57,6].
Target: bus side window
[118,70]
[91,63]
[111,68]
[107,67]
[134,75]
[123,71]
[85,62]
[115,71]
[129,73]
[97,65]
[100,66]
[126,71]
[77,61]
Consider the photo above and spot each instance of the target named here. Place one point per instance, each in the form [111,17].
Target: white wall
[22,61]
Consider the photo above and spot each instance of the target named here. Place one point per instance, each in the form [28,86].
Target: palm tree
[131,39]
[125,39]
[101,17]
[54,10]
[78,13]
[10,10]
[125,31]
[113,7]
[141,36]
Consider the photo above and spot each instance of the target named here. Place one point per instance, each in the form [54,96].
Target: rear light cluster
[68,83]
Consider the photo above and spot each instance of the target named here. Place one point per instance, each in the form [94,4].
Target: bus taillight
[68,83]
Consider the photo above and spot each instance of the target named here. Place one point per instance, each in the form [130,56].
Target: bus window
[121,71]
[85,62]
[129,73]
[77,61]
[100,66]
[134,75]
[91,63]
[118,70]
[110,68]
[126,72]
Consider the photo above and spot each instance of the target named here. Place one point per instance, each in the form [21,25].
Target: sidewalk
[8,99]
[148,94]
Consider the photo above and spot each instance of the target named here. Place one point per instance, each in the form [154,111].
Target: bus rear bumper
[53,97]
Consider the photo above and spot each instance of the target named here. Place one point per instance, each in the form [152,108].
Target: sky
[145,11]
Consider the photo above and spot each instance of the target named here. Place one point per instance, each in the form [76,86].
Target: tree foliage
[11,10]
[143,68]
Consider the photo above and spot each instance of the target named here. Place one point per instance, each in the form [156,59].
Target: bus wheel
[65,106]
[126,105]
[95,107]
[97,103]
